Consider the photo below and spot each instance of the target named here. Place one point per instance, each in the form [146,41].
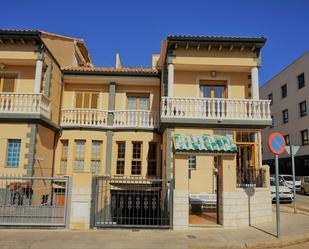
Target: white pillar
[255,83]
[170,82]
[38,75]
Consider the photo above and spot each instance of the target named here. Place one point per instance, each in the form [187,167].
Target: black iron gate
[134,202]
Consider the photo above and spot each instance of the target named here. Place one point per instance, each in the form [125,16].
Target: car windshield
[273,183]
[288,178]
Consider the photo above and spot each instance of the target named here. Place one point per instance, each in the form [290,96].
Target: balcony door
[86,100]
[213,89]
[210,90]
[136,104]
[7,83]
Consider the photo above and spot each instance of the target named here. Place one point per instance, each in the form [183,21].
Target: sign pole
[277,198]
[276,144]
[293,173]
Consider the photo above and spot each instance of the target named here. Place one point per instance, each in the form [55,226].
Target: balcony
[24,103]
[80,117]
[93,118]
[136,119]
[215,110]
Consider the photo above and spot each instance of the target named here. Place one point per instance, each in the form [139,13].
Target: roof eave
[124,74]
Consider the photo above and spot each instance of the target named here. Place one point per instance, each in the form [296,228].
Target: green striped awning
[204,143]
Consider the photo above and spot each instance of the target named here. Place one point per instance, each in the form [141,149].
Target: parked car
[288,181]
[285,193]
[305,185]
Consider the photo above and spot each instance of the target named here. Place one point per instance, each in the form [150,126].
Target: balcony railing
[80,117]
[136,119]
[26,103]
[215,108]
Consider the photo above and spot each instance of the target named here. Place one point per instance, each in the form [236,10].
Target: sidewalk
[294,229]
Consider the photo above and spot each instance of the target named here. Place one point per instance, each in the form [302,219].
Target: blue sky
[135,28]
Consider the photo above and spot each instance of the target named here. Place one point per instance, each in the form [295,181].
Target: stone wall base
[180,210]
[245,207]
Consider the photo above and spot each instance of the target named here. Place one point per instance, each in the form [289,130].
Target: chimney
[118,62]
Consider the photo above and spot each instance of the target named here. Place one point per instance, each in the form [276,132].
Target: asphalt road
[302,202]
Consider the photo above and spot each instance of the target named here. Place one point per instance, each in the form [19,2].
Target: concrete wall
[245,207]
[295,96]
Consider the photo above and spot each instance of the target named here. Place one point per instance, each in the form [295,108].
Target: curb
[283,242]
[293,240]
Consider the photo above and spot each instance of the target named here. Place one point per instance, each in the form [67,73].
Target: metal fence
[33,201]
[122,202]
[250,178]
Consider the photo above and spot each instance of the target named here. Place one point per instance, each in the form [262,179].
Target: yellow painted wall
[44,151]
[11,52]
[55,88]
[13,131]
[139,136]
[186,83]
[202,178]
[62,49]
[181,176]
[25,77]
[215,53]
[68,100]
[71,136]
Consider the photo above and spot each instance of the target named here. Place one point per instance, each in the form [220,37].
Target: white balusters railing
[136,119]
[214,108]
[24,103]
[79,117]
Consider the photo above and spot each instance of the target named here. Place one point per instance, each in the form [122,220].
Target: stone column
[38,74]
[181,194]
[80,207]
[110,133]
[255,83]
[170,82]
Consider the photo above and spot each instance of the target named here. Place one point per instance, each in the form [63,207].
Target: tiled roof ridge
[111,69]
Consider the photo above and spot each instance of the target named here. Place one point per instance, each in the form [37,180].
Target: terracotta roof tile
[112,70]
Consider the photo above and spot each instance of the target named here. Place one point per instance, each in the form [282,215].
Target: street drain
[190,236]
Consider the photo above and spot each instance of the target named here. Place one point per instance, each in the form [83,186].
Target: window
[272,121]
[13,153]
[270,97]
[79,155]
[192,162]
[285,116]
[304,137]
[64,156]
[96,156]
[86,100]
[284,91]
[7,82]
[136,158]
[152,159]
[301,80]
[287,139]
[138,102]
[303,109]
[120,158]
